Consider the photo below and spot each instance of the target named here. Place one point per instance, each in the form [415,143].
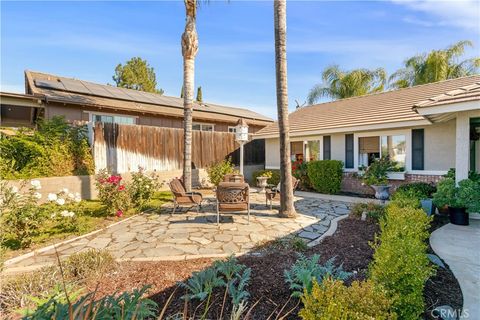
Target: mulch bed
[268,291]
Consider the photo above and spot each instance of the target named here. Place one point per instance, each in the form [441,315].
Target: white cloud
[460,13]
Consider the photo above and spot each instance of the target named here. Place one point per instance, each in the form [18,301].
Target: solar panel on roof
[97,89]
[117,93]
[75,86]
[49,84]
[136,95]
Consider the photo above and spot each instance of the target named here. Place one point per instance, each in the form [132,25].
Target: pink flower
[119,213]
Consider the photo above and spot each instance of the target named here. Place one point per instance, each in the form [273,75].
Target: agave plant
[301,275]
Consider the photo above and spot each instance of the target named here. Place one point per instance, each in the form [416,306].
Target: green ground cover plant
[372,210]
[325,175]
[54,148]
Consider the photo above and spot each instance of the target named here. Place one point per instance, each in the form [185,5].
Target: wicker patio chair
[272,193]
[182,197]
[233,197]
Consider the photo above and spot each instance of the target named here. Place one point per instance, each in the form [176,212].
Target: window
[203,126]
[232,129]
[394,147]
[371,148]
[312,150]
[113,119]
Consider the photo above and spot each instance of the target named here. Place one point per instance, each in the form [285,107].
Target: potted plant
[460,199]
[262,180]
[423,192]
[376,176]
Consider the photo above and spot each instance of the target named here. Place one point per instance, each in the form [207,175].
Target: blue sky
[235,63]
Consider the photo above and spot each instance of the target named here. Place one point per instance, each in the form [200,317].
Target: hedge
[325,175]
[400,263]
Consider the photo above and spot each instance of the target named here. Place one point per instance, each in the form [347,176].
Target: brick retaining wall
[353,184]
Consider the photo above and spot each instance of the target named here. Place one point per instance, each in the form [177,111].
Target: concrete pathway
[459,247]
[188,234]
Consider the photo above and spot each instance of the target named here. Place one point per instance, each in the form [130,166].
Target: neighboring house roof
[20,99]
[388,109]
[74,91]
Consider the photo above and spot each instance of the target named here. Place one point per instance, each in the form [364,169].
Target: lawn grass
[94,217]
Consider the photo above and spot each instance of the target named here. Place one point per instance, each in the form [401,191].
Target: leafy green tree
[437,65]
[136,74]
[340,84]
[199,94]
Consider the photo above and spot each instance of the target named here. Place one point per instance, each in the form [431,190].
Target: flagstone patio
[188,234]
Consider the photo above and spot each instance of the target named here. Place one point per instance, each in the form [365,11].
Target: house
[427,129]
[48,95]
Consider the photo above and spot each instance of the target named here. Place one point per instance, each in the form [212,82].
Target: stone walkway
[188,234]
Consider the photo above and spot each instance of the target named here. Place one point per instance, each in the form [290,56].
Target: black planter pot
[458,216]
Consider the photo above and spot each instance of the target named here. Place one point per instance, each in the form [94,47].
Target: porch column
[462,146]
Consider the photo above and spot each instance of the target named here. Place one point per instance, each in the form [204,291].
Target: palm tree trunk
[189,51]
[287,209]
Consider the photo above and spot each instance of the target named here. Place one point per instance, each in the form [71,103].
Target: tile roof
[74,91]
[379,109]
[463,94]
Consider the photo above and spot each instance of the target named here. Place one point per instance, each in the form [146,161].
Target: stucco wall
[440,146]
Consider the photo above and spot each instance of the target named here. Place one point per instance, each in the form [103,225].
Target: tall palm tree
[189,51]
[339,84]
[287,209]
[435,66]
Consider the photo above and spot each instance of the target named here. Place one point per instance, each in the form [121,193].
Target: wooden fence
[123,148]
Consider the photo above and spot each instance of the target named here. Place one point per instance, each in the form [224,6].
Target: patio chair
[233,178]
[272,193]
[182,197]
[233,197]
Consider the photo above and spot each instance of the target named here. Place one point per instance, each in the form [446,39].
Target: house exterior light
[241,136]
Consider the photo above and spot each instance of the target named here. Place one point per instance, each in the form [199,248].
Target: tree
[199,94]
[287,209]
[437,65]
[339,84]
[189,51]
[136,74]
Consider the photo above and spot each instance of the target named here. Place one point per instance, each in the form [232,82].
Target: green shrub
[400,263]
[126,306]
[422,189]
[305,271]
[300,171]
[113,193]
[469,194]
[54,149]
[273,180]
[325,175]
[90,264]
[142,187]
[333,300]
[377,172]
[406,198]
[372,210]
[217,171]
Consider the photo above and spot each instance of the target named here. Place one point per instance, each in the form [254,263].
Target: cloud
[462,13]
